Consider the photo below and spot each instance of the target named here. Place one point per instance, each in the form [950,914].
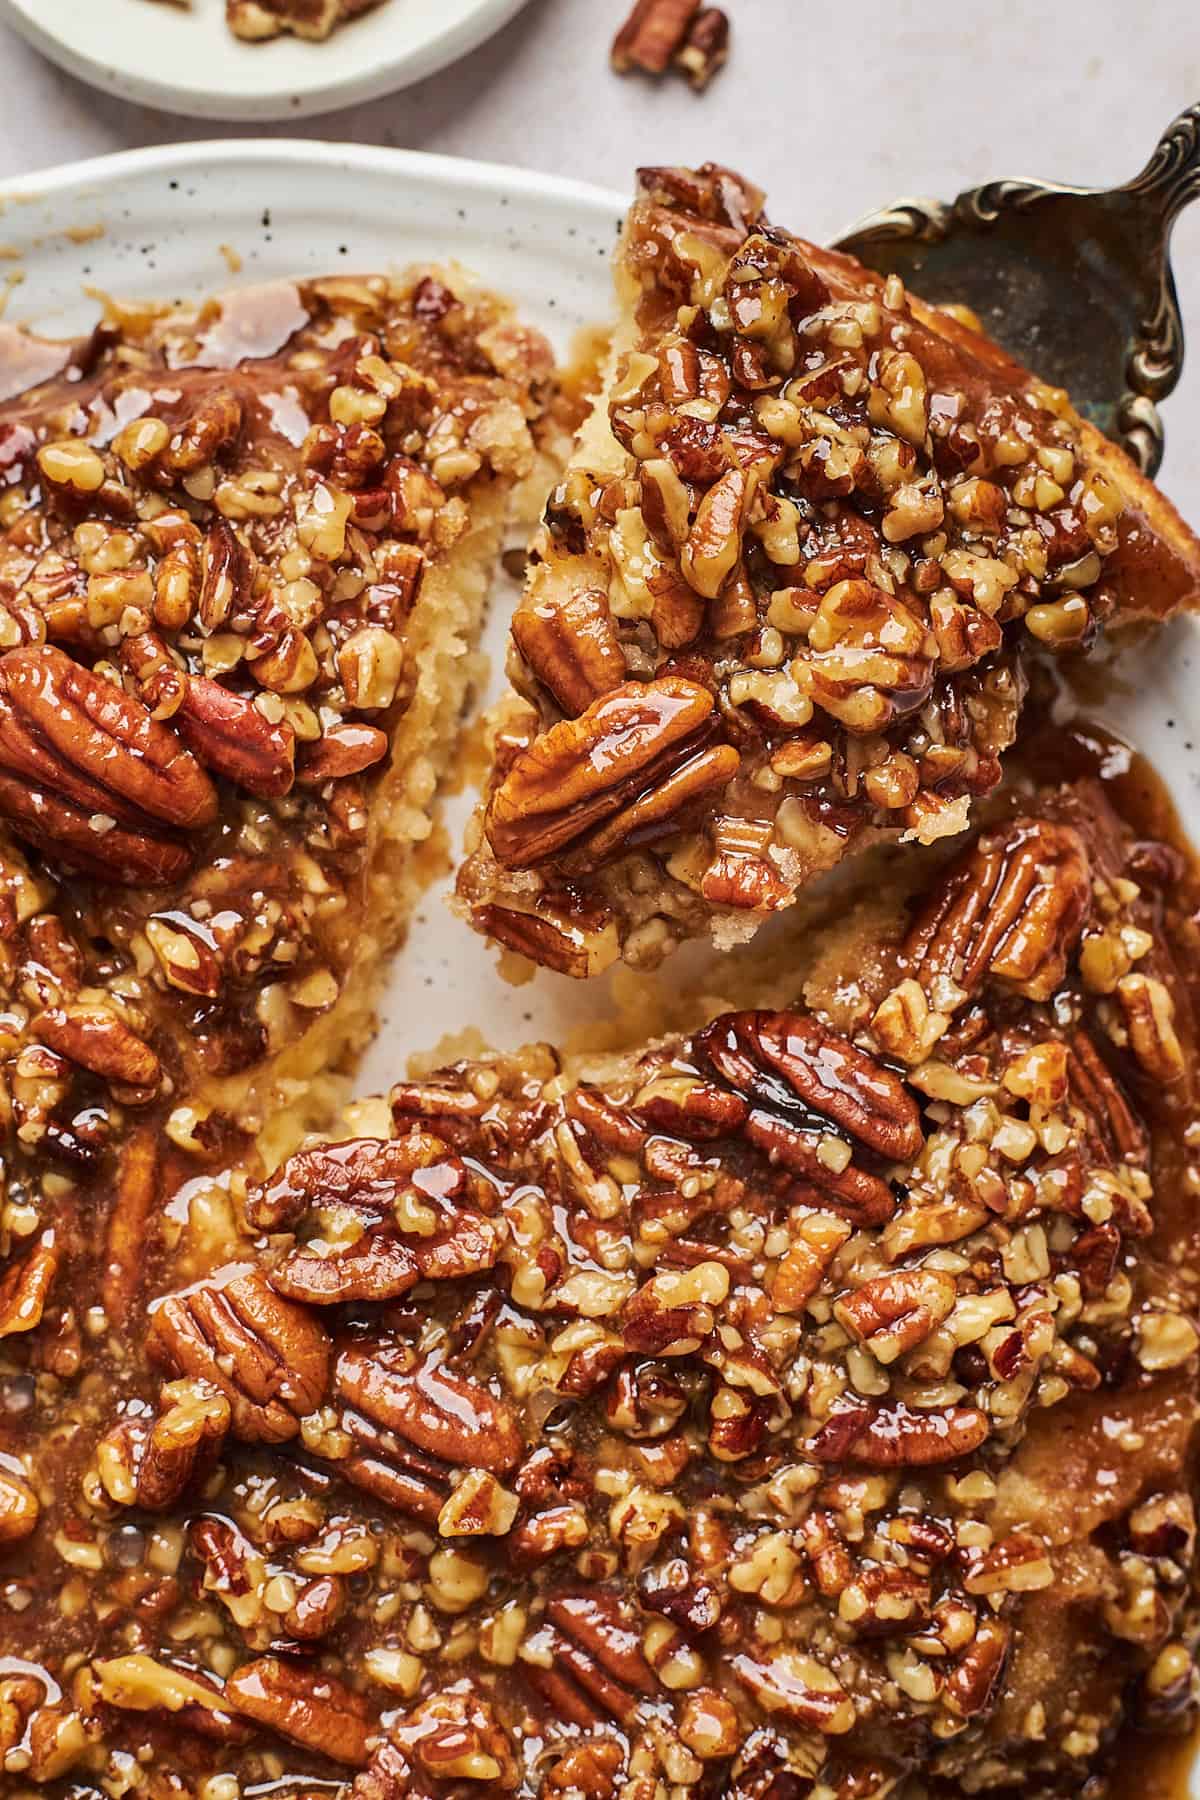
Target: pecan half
[893,1313]
[19,1508]
[652,34]
[595,1671]
[226,731]
[973,1683]
[267,1356]
[791,1061]
[341,751]
[1096,1090]
[806,1074]
[25,1287]
[96,1038]
[70,838]
[580,944]
[636,750]
[441,1413]
[1010,910]
[571,647]
[136,1195]
[798,1687]
[897,1436]
[77,749]
[302,1703]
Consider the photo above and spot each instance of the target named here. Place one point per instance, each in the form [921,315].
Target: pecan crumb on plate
[255,21]
[783,603]
[792,1406]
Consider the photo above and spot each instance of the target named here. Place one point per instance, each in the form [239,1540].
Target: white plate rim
[291,79]
[450,172]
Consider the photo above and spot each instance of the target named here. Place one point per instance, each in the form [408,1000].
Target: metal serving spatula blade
[1076,282]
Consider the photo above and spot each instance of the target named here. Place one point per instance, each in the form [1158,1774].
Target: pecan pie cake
[243,556]
[783,599]
[780,1411]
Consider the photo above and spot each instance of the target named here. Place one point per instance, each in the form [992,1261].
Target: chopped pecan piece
[1150,1020]
[152,1464]
[705,50]
[652,34]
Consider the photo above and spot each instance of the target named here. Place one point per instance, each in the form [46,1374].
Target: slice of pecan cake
[243,557]
[778,1412]
[781,602]
[257,20]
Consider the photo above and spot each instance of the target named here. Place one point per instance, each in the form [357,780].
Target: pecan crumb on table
[784,602]
[661,34]
[795,1405]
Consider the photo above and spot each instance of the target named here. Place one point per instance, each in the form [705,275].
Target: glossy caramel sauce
[1143,1765]
[1153,1768]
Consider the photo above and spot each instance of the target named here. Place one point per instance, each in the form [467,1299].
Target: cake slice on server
[782,602]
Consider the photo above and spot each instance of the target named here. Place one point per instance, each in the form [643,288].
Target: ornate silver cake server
[1075,281]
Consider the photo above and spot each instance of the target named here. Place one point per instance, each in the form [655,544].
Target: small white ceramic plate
[187,61]
[162,224]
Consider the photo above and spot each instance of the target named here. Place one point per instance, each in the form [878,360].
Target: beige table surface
[833,106]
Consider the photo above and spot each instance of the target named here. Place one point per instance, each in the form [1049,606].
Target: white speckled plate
[165,224]
[186,60]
